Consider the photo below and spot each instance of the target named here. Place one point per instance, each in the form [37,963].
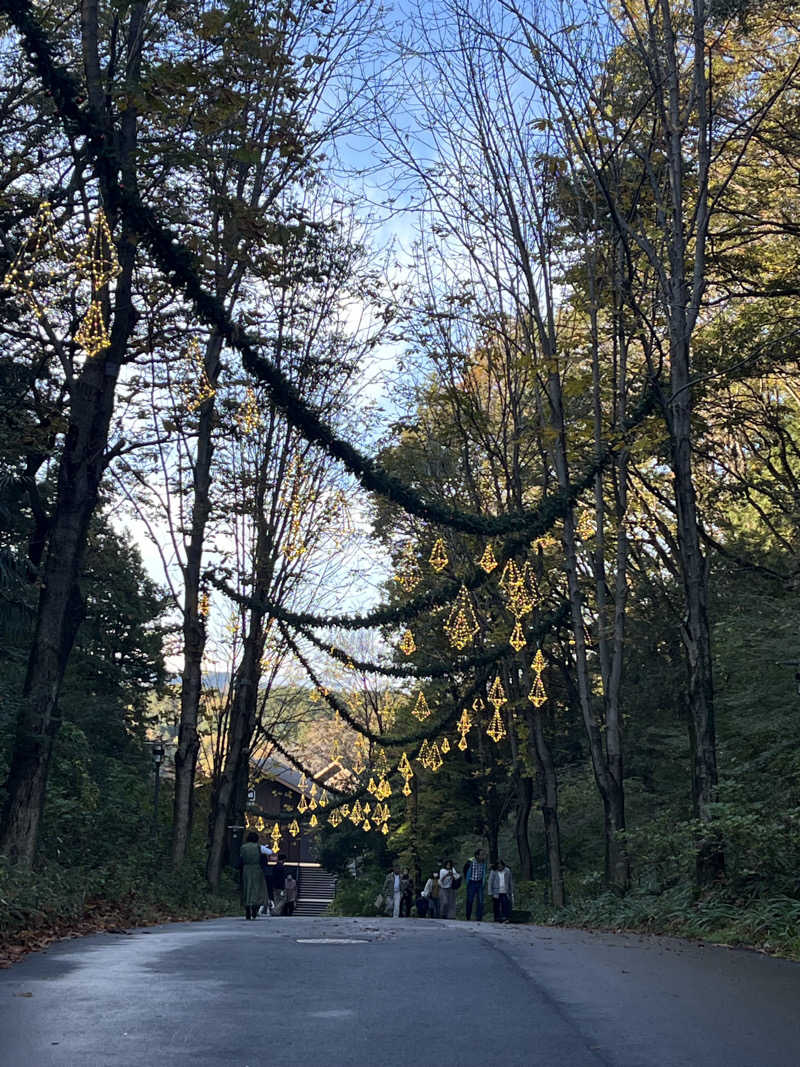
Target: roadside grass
[53,902]
[767,924]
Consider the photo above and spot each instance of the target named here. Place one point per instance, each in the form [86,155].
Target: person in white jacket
[449,879]
[432,893]
[501,890]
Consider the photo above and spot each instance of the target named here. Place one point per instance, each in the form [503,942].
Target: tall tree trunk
[240,732]
[548,781]
[521,818]
[81,468]
[194,635]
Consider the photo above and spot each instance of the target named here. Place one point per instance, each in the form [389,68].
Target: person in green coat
[252,862]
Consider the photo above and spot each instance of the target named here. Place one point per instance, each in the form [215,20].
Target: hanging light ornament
[421,711]
[462,623]
[445,745]
[260,825]
[345,810]
[478,705]
[488,562]
[39,244]
[510,575]
[497,695]
[248,417]
[312,804]
[197,387]
[336,750]
[313,821]
[404,767]
[384,789]
[438,557]
[407,790]
[294,826]
[365,826]
[538,695]
[408,645]
[335,818]
[92,335]
[97,260]
[464,725]
[381,763]
[408,573]
[275,835]
[302,807]
[424,752]
[323,800]
[385,829]
[496,728]
[435,760]
[366,809]
[356,814]
[371,787]
[517,639]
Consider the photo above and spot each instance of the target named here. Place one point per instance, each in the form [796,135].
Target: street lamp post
[157,752]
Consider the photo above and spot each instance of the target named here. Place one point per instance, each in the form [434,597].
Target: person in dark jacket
[252,865]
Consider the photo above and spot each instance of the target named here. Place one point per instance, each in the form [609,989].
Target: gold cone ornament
[438,557]
[421,711]
[488,562]
[92,335]
[496,728]
[517,639]
[462,623]
[497,695]
[407,645]
[97,260]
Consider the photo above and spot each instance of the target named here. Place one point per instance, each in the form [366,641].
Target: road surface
[395,993]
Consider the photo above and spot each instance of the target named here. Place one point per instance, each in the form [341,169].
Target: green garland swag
[552,620]
[179,264]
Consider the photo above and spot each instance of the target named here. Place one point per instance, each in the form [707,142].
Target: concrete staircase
[315,891]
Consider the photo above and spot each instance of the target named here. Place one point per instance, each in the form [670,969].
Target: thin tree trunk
[194,635]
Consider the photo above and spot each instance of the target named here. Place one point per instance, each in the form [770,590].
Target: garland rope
[177,262]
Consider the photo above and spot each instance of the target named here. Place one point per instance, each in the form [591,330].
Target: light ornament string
[497,698]
[462,624]
[438,557]
[538,695]
[408,574]
[196,388]
[275,836]
[40,243]
[488,561]
[464,725]
[248,417]
[421,711]
[408,646]
[99,264]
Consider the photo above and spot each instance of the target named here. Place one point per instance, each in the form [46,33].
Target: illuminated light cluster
[464,725]
[497,698]
[197,388]
[496,728]
[462,624]
[98,262]
[407,645]
[39,244]
[517,639]
[407,771]
[488,561]
[438,557]
[497,695]
[421,711]
[408,574]
[92,335]
[248,417]
[538,695]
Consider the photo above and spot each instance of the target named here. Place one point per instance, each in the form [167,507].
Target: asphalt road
[386,993]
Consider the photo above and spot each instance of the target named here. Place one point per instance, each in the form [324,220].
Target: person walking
[251,864]
[279,885]
[291,894]
[449,881]
[501,890]
[432,892]
[406,894]
[393,892]
[475,877]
